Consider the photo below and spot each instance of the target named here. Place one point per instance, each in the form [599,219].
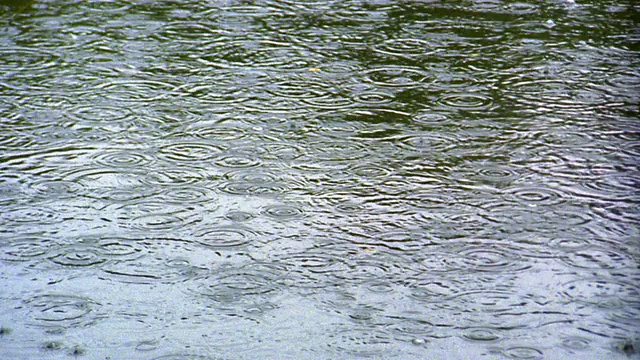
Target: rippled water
[306,179]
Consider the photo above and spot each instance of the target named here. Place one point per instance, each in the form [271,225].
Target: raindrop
[613,186]
[430,200]
[442,262]
[404,241]
[349,207]
[77,256]
[49,189]
[566,218]
[330,101]
[16,141]
[380,287]
[150,270]
[299,89]
[370,171]
[405,47]
[496,175]
[97,178]
[576,343]
[123,159]
[374,98]
[99,113]
[480,335]
[246,53]
[625,80]
[281,151]
[212,94]
[53,345]
[338,150]
[418,342]
[26,248]
[216,132]
[283,212]
[483,302]
[25,59]
[237,161]
[624,319]
[189,151]
[538,195]
[460,82]
[313,268]
[234,287]
[379,265]
[431,119]
[120,194]
[245,284]
[224,237]
[435,290]
[368,270]
[251,176]
[60,310]
[183,357]
[188,32]
[30,215]
[491,260]
[239,216]
[249,188]
[412,329]
[569,244]
[521,8]
[163,221]
[121,249]
[189,194]
[147,345]
[465,102]
[361,342]
[238,188]
[464,223]
[135,90]
[308,4]
[397,77]
[523,352]
[427,143]
[172,176]
[598,258]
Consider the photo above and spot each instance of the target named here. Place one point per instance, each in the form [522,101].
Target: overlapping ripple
[151,270]
[240,291]
[63,310]
[27,59]
[77,256]
[26,248]
[601,292]
[362,343]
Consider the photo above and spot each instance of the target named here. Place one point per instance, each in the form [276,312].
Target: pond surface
[307,179]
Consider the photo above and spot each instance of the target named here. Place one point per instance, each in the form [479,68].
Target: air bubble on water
[418,341]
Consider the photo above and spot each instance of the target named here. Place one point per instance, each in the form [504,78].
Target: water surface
[292,179]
